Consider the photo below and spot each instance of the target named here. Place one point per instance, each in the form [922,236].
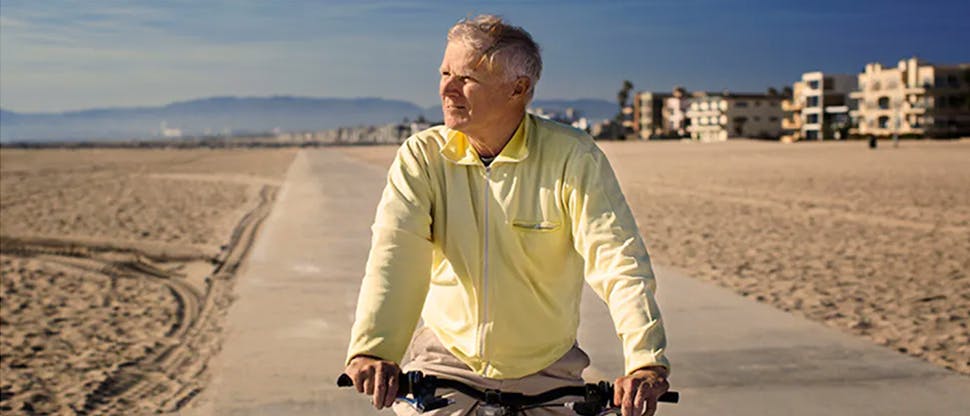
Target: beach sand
[874,243]
[117,269]
[117,265]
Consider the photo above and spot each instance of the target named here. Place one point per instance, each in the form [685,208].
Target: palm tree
[624,94]
[621,98]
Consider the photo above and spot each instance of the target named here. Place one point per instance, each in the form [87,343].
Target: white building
[723,116]
[568,116]
[647,114]
[169,132]
[819,107]
[914,98]
[675,120]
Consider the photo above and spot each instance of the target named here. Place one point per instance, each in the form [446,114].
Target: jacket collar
[458,149]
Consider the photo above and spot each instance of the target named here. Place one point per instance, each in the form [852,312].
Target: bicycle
[597,398]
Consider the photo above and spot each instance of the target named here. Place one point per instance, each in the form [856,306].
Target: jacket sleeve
[617,264]
[398,271]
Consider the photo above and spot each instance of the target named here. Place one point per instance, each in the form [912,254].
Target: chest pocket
[536,225]
[537,211]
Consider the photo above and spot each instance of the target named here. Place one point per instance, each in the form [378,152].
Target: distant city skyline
[70,55]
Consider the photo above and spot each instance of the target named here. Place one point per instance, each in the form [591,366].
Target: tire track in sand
[168,377]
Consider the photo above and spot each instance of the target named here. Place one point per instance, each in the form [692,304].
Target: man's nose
[449,85]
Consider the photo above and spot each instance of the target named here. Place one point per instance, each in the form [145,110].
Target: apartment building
[728,115]
[648,114]
[914,98]
[819,107]
[674,115]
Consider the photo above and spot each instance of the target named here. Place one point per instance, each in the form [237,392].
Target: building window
[773,118]
[756,118]
[811,119]
[884,122]
[956,101]
[875,86]
[813,84]
[811,101]
[811,134]
[741,104]
[883,103]
[953,81]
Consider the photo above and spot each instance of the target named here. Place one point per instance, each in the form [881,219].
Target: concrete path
[288,329]
[734,356]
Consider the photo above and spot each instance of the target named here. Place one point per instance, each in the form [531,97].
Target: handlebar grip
[403,383]
[669,397]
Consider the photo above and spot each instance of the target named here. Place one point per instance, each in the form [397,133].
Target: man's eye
[461,78]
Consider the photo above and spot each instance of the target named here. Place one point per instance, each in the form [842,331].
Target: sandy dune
[117,269]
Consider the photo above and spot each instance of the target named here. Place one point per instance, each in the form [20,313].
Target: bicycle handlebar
[422,388]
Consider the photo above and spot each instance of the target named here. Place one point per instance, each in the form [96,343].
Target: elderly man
[486,230]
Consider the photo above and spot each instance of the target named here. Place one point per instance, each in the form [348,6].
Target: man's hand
[638,392]
[374,376]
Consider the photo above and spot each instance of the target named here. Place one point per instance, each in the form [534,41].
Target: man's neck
[491,143]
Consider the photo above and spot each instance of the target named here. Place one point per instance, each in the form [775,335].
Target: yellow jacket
[496,256]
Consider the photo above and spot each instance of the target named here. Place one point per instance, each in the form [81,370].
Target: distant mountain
[208,116]
[591,108]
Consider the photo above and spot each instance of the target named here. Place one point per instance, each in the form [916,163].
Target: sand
[116,271]
[874,243]
[117,265]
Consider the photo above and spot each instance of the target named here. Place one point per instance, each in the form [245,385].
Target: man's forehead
[459,56]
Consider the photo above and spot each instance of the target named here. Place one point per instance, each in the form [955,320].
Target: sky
[69,55]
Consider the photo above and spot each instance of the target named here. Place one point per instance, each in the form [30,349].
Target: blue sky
[66,55]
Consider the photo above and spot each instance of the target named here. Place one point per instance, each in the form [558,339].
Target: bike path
[288,329]
[734,356]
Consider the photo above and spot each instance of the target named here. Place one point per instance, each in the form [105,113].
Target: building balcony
[857,94]
[702,113]
[795,124]
[789,105]
[914,109]
[914,90]
[709,127]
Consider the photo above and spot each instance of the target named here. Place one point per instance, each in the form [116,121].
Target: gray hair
[494,38]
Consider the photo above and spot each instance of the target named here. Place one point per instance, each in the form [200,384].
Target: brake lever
[423,404]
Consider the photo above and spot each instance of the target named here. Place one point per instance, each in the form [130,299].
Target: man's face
[473,97]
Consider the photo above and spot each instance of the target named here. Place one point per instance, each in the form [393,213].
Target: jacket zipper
[484,318]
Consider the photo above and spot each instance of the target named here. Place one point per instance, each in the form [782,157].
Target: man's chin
[453,123]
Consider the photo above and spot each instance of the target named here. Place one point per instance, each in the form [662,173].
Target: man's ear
[521,86]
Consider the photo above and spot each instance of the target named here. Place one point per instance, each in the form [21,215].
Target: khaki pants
[430,357]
